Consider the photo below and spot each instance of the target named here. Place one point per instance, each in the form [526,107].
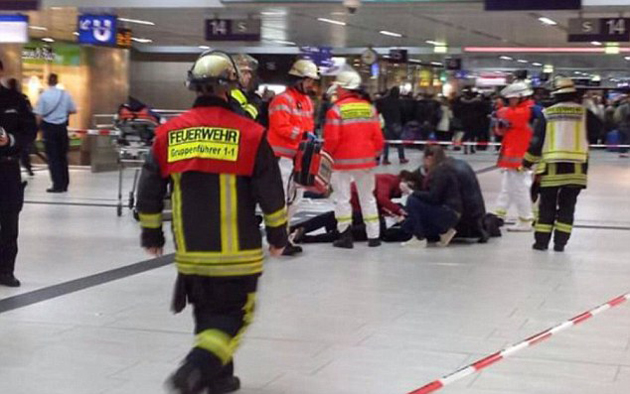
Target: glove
[311,137]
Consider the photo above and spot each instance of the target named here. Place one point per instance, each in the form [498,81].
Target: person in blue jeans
[434,211]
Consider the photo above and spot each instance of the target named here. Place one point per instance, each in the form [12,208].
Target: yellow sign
[203,143]
[356,111]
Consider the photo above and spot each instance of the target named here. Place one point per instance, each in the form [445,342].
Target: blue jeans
[428,221]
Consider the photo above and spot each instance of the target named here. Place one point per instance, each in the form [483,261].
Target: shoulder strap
[61,96]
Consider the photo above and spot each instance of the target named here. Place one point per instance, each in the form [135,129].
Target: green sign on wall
[61,54]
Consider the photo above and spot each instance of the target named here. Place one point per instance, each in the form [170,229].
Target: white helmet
[517,90]
[563,86]
[349,80]
[304,68]
[213,68]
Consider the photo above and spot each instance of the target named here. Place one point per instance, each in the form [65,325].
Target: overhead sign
[13,29]
[322,56]
[233,29]
[602,30]
[19,5]
[532,5]
[123,38]
[453,64]
[97,29]
[398,56]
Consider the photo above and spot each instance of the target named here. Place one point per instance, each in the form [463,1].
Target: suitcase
[313,167]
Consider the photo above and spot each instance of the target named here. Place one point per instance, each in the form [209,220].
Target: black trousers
[222,308]
[57,145]
[25,157]
[328,222]
[9,220]
[556,214]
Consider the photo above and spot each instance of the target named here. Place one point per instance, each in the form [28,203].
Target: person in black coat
[434,212]
[391,107]
[474,205]
[17,125]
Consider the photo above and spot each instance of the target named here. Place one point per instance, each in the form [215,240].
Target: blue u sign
[97,29]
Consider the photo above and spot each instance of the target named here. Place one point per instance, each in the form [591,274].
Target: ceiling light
[390,33]
[535,64]
[440,49]
[578,72]
[437,64]
[42,28]
[273,13]
[204,47]
[596,43]
[332,21]
[627,58]
[338,13]
[547,21]
[137,21]
[498,50]
[142,40]
[522,61]
[283,42]
[440,44]
[48,39]
[506,58]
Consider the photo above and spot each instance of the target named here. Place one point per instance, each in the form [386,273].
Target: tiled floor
[364,321]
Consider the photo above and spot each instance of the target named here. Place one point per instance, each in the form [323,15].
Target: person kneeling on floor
[434,211]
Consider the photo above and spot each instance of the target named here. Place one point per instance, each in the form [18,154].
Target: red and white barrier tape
[449,143]
[536,339]
[105,132]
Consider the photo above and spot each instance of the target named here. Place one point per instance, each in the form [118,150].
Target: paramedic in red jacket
[514,126]
[353,136]
[291,119]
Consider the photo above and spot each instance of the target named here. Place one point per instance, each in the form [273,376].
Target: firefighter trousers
[557,209]
[223,308]
[515,189]
[342,194]
[292,190]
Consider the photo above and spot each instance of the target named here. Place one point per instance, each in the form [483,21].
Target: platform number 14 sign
[602,30]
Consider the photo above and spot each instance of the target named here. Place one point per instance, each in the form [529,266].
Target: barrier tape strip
[485,143]
[104,132]
[509,351]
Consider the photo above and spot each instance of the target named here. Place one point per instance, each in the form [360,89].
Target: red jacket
[290,117]
[517,136]
[387,187]
[352,134]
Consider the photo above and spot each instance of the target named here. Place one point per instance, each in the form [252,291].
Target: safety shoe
[374,243]
[446,238]
[345,241]
[225,385]
[523,226]
[540,247]
[187,379]
[292,250]
[558,248]
[9,280]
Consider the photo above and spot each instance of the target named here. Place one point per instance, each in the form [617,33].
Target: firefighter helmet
[213,68]
[517,90]
[304,68]
[349,80]
[563,86]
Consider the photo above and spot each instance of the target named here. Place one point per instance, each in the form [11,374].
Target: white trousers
[515,189]
[342,194]
[293,192]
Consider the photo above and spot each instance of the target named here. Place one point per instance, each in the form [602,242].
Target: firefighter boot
[188,379]
[228,384]
[345,241]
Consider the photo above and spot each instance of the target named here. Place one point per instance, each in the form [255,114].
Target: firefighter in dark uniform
[243,95]
[220,167]
[17,125]
[560,148]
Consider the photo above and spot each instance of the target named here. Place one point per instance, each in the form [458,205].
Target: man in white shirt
[53,110]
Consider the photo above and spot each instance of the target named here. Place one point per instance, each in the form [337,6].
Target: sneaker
[226,385]
[296,236]
[374,243]
[446,238]
[523,226]
[404,161]
[292,250]
[415,243]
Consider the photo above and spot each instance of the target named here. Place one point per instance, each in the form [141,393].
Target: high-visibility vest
[566,136]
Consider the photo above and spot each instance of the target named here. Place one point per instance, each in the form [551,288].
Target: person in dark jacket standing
[391,108]
[434,211]
[17,125]
[25,156]
[220,168]
[53,110]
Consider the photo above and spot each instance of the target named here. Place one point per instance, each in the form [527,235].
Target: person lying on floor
[434,211]
[388,187]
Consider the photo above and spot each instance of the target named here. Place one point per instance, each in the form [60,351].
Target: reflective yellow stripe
[219,257]
[178,225]
[564,228]
[248,318]
[229,213]
[215,270]
[502,213]
[552,137]
[577,133]
[344,219]
[216,342]
[239,96]
[371,218]
[277,219]
[251,110]
[151,220]
[544,228]
[531,158]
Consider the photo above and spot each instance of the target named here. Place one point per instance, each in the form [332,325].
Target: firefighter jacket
[352,133]
[516,136]
[219,167]
[241,99]
[560,146]
[18,121]
[290,118]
